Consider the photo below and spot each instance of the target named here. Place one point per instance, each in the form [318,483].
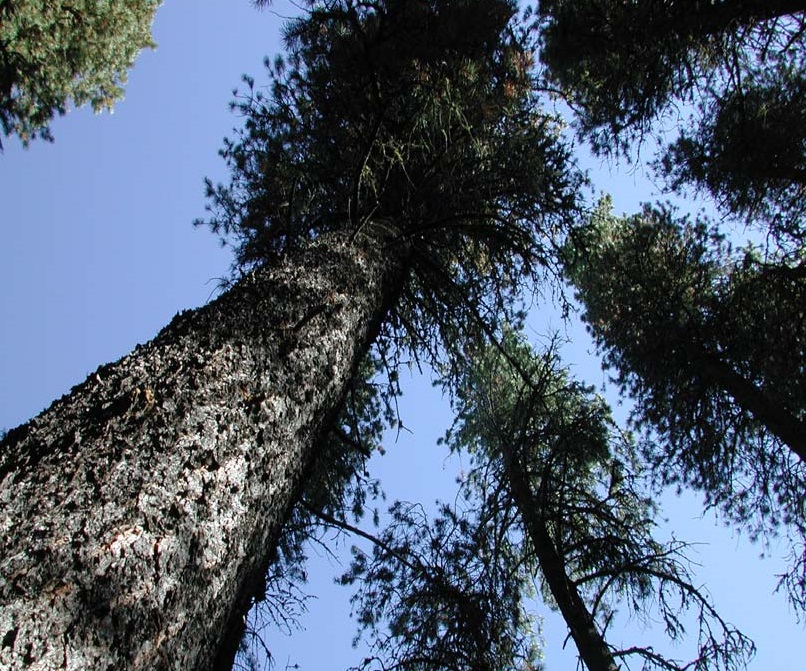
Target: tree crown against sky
[446,591]
[554,502]
[418,118]
[54,54]
[251,197]
[707,339]
[359,224]
[727,76]
[709,344]
[547,446]
[402,125]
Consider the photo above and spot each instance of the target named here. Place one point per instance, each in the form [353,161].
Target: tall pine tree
[397,176]
[709,340]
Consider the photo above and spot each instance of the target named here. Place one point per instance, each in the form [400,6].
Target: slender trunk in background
[139,512]
[592,648]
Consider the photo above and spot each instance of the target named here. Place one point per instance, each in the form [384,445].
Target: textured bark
[138,512]
[593,649]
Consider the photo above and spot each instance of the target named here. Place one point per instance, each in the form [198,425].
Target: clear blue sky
[98,253]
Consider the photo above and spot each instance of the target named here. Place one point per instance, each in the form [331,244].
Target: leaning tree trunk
[779,420]
[591,645]
[138,512]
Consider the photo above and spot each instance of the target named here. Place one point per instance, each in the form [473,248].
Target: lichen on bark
[140,510]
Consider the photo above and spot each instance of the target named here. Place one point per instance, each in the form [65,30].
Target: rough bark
[592,648]
[138,512]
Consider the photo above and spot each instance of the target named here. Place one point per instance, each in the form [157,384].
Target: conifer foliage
[397,187]
[62,52]
[708,338]
[419,119]
[556,499]
[397,181]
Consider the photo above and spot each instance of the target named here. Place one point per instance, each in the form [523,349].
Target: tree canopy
[728,76]
[705,336]
[419,119]
[420,126]
[546,446]
[444,594]
[555,499]
[710,345]
[56,53]
[418,123]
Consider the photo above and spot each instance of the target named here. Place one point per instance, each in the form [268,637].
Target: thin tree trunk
[593,650]
[139,512]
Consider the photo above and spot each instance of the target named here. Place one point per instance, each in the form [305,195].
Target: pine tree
[397,177]
[555,496]
[709,342]
[708,339]
[60,52]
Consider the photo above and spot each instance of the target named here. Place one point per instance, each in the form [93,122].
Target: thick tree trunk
[138,513]
[783,424]
[720,16]
[592,648]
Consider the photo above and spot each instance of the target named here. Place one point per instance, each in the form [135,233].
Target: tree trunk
[592,648]
[780,422]
[711,17]
[139,512]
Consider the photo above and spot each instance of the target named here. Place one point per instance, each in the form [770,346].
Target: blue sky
[98,254]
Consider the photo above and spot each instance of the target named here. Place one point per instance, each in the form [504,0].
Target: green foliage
[619,63]
[450,593]
[55,52]
[709,341]
[748,151]
[546,448]
[516,409]
[739,67]
[420,123]
[416,121]
[711,345]
[444,594]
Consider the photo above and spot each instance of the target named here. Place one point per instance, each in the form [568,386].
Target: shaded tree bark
[138,513]
[782,423]
[593,650]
